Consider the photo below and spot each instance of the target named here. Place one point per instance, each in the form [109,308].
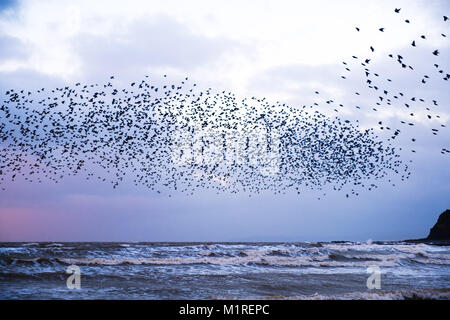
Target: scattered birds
[387,101]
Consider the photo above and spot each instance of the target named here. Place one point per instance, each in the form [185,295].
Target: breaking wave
[336,270]
[424,294]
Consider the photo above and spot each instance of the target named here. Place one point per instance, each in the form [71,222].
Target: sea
[148,270]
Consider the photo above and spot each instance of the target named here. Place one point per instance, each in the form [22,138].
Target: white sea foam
[30,244]
[329,268]
[424,294]
[55,245]
[252,257]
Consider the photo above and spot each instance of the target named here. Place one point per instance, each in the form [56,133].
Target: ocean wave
[343,257]
[51,245]
[310,257]
[445,262]
[345,254]
[30,244]
[378,247]
[249,259]
[274,269]
[25,261]
[422,294]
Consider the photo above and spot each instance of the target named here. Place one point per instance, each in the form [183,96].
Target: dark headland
[440,232]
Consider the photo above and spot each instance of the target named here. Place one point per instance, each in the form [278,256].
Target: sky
[281,50]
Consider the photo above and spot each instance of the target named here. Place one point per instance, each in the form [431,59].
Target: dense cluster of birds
[175,136]
[183,139]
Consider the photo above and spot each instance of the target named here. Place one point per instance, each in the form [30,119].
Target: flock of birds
[389,97]
[174,136]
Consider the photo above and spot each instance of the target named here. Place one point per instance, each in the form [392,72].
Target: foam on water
[430,294]
[202,270]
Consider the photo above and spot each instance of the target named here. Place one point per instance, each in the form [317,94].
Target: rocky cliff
[441,230]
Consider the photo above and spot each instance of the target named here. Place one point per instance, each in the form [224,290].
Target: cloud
[12,48]
[142,46]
